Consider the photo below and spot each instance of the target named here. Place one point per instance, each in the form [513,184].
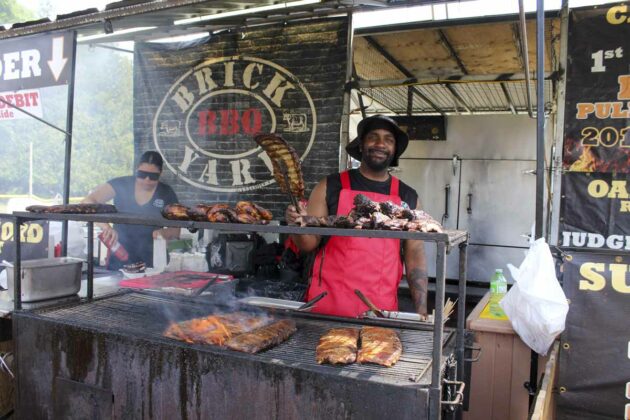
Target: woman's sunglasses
[153,176]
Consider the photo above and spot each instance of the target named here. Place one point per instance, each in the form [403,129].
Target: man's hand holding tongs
[291,214]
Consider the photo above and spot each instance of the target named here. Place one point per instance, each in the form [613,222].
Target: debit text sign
[35,62]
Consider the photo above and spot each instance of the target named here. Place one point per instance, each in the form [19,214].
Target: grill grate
[146,316]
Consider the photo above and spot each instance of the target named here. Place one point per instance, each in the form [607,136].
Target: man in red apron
[371,265]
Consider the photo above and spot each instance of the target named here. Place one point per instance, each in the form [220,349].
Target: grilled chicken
[283,157]
[222,215]
[218,207]
[263,212]
[175,212]
[381,346]
[199,212]
[246,218]
[246,207]
[263,338]
[338,346]
[82,208]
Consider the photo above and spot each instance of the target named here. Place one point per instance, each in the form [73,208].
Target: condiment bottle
[116,248]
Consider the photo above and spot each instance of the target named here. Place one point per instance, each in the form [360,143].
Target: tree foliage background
[102,134]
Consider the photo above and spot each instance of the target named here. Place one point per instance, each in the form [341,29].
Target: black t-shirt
[360,183]
[138,240]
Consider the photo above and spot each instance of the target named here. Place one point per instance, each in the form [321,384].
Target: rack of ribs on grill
[283,158]
[214,329]
[82,208]
[381,346]
[338,346]
[263,338]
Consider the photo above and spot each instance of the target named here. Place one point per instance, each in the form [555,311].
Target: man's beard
[377,165]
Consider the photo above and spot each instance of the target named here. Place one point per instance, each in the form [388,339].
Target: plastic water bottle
[498,289]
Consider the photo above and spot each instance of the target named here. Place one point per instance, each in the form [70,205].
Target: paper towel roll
[159,253]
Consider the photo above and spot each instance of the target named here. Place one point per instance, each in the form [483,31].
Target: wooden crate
[545,405]
[496,388]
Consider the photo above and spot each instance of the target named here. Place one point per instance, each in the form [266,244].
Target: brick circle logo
[205,125]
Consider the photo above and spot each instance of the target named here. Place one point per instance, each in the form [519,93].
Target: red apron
[372,265]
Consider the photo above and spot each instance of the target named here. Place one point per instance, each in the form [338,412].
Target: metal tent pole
[540,159]
[68,152]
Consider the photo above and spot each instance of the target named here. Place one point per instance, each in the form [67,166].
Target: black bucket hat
[378,121]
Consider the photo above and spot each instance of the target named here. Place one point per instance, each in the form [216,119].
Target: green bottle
[498,289]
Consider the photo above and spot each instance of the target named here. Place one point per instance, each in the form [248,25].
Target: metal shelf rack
[444,241]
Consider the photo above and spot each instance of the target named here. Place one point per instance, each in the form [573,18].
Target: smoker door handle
[459,392]
[447,195]
[469,208]
[474,358]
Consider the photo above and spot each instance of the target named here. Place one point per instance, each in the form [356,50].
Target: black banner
[201,105]
[596,151]
[594,370]
[34,240]
[595,211]
[34,62]
[597,105]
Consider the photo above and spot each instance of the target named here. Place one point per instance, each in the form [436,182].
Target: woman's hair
[152,157]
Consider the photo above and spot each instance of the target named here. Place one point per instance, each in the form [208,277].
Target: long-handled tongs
[285,174]
[206,286]
[308,305]
[369,303]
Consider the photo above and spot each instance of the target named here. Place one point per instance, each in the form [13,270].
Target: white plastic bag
[536,304]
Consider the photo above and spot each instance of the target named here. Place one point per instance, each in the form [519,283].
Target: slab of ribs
[377,345]
[73,208]
[338,346]
[381,346]
[283,158]
[237,331]
[263,338]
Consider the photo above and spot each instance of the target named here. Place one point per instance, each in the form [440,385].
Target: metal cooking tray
[48,278]
[266,302]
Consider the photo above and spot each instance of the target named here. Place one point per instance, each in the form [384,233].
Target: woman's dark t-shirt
[138,240]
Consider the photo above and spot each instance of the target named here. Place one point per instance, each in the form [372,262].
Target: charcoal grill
[109,355]
[282,387]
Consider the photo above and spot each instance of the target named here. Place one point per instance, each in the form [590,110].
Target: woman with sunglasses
[140,194]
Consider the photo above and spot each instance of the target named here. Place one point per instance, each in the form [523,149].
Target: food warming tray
[48,278]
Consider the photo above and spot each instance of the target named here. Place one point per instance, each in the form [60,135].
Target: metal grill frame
[444,243]
[158,377]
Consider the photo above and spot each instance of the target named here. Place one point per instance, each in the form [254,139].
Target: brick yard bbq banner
[200,106]
[594,369]
[595,209]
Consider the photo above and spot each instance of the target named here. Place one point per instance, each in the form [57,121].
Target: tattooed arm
[416,269]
